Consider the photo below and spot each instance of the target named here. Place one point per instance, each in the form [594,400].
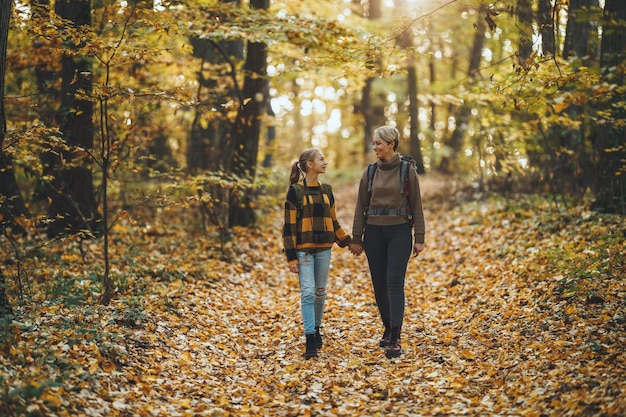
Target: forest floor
[515,308]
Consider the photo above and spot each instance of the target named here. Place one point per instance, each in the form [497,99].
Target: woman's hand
[417,248]
[356,248]
[294,268]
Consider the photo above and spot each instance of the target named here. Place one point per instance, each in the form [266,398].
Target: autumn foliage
[515,308]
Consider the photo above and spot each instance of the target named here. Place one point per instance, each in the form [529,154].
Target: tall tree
[271,130]
[613,46]
[8,185]
[210,139]
[405,41]
[545,19]
[464,112]
[610,193]
[525,25]
[73,206]
[247,127]
[46,74]
[581,32]
[371,113]
[11,201]
[570,171]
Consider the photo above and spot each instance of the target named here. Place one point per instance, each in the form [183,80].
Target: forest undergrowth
[515,308]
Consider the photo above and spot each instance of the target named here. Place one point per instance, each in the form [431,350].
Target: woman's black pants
[388,249]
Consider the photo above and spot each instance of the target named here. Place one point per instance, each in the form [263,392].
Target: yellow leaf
[560,106]
[51,400]
[467,354]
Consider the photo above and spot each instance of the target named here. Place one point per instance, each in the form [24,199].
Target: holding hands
[356,248]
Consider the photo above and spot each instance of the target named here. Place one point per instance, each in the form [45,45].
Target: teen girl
[310,230]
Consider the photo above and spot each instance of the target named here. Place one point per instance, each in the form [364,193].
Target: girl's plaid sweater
[314,225]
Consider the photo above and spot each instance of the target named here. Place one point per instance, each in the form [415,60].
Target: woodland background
[144,159]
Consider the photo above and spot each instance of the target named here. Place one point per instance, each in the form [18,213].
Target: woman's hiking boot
[311,348]
[318,338]
[394,349]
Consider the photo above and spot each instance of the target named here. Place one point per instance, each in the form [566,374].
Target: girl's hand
[294,268]
[417,248]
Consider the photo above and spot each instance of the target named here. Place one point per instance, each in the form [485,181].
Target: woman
[386,213]
[310,229]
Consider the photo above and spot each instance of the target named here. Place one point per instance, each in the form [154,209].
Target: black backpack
[406,163]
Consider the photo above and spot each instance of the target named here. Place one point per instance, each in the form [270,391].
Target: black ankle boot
[311,349]
[394,349]
[318,338]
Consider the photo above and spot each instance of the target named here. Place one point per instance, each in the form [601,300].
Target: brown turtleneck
[386,194]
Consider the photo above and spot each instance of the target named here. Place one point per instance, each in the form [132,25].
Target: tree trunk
[579,42]
[247,128]
[370,118]
[12,204]
[610,193]
[44,48]
[209,140]
[366,111]
[73,206]
[570,172]
[405,41]
[375,10]
[8,185]
[613,39]
[525,25]
[464,112]
[416,148]
[5,305]
[545,19]
[5,19]
[268,160]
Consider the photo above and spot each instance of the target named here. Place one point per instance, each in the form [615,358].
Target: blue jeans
[388,249]
[313,270]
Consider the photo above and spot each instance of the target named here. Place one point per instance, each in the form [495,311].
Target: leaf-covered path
[513,309]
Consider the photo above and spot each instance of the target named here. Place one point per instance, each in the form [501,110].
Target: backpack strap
[371,170]
[299,189]
[404,178]
[299,196]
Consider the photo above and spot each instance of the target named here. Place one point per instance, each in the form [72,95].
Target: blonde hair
[388,134]
[299,168]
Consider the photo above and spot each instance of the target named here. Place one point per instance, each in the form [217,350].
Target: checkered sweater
[316,226]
